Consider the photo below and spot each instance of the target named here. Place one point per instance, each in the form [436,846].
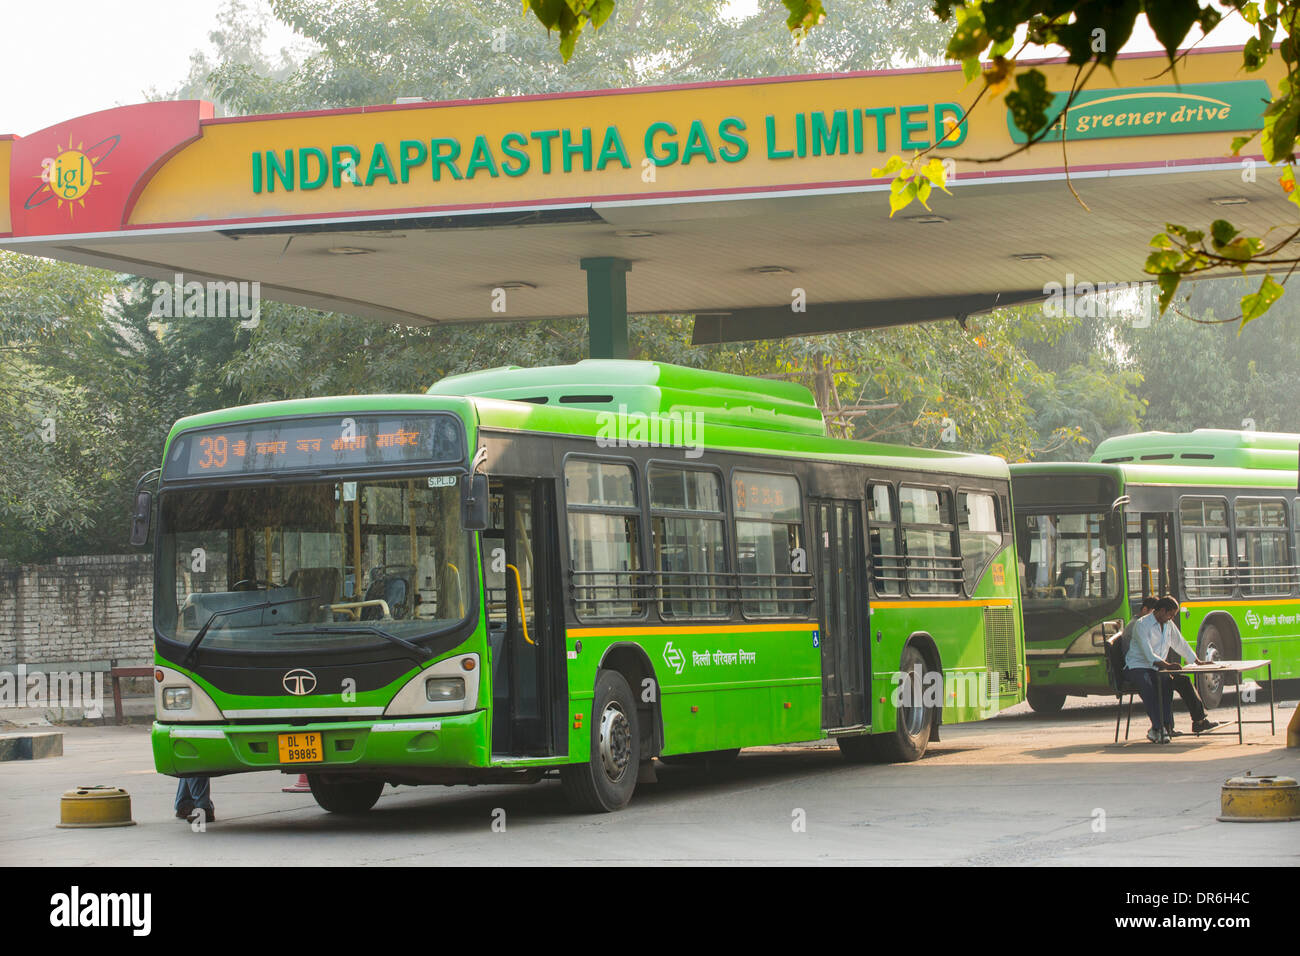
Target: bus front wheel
[913,719]
[1044,700]
[344,796]
[606,781]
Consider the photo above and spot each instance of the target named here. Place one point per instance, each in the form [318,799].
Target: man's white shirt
[1152,641]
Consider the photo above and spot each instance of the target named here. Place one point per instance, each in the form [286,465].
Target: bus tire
[1045,700]
[1213,645]
[606,781]
[348,797]
[912,724]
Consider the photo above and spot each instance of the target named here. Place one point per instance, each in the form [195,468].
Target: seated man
[1182,683]
[1153,637]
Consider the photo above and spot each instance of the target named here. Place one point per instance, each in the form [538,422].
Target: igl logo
[69,175]
[1252,619]
[299,682]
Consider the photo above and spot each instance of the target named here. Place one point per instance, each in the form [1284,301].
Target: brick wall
[93,608]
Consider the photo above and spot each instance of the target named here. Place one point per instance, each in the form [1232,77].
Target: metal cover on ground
[97,806]
[1265,799]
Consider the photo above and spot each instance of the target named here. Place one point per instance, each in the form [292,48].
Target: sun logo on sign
[70,174]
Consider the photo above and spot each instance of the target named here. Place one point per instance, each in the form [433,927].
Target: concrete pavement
[1019,789]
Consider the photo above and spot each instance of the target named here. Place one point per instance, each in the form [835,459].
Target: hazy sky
[94,55]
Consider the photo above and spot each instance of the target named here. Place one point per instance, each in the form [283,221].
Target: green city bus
[1210,517]
[565,570]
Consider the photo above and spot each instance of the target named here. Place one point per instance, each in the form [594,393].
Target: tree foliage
[79,346]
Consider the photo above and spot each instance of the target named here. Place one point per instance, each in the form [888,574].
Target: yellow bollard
[1264,799]
[97,806]
[1293,729]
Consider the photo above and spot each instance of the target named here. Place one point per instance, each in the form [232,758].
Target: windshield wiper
[190,651]
[420,654]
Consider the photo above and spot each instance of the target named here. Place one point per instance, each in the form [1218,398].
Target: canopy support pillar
[607,306]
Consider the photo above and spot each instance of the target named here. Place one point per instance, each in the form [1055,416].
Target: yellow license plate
[301,748]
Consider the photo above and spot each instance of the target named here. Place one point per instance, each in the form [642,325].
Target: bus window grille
[1000,646]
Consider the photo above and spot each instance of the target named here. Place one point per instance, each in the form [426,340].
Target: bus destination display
[304,444]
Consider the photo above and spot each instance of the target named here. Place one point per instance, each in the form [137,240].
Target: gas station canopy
[723,200]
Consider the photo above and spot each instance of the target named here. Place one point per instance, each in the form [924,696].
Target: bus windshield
[1069,561]
[388,554]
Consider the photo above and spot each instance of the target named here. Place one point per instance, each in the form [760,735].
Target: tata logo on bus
[69,175]
[1155,111]
[299,682]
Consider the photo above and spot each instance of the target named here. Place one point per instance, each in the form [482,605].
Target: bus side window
[886,559]
[688,542]
[980,530]
[1207,566]
[604,539]
[771,556]
[933,563]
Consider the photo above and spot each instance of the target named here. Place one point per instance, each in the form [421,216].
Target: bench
[117,674]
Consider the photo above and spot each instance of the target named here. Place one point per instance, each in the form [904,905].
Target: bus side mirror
[474,514]
[140,520]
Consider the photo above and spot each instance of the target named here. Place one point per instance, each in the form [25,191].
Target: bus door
[525,616]
[1150,565]
[837,528]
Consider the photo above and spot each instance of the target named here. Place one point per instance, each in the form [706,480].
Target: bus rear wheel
[1211,647]
[344,796]
[606,781]
[1045,700]
[913,719]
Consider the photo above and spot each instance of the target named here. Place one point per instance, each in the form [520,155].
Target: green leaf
[970,37]
[804,15]
[1255,54]
[1161,241]
[1242,249]
[1168,285]
[600,11]
[1222,231]
[1240,141]
[1277,142]
[1257,303]
[1029,101]
[1161,263]
[1170,20]
[971,68]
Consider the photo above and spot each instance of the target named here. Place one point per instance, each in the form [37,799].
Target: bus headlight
[177,698]
[444,688]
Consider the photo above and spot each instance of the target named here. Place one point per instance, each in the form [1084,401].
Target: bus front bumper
[460,740]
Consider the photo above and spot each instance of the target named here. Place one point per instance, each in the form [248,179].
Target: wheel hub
[615,742]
